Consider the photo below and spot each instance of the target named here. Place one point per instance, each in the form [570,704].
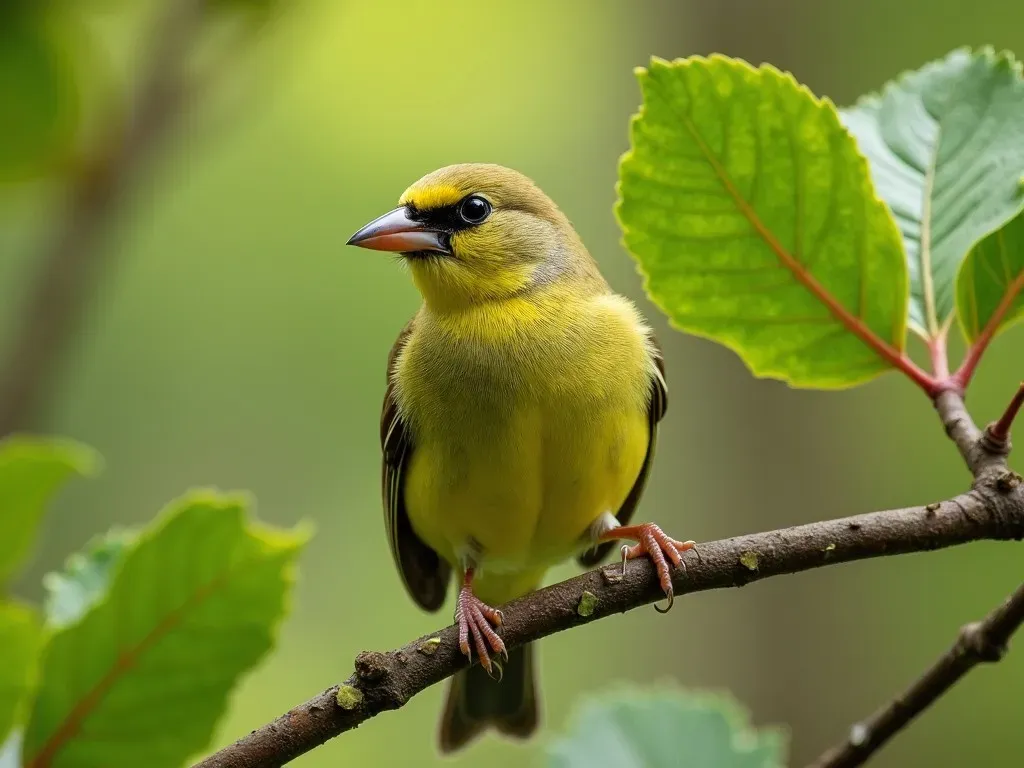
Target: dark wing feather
[424,574]
[655,411]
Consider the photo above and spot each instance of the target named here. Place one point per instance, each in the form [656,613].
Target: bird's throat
[451,287]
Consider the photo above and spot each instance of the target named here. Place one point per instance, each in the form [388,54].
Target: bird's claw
[654,543]
[477,620]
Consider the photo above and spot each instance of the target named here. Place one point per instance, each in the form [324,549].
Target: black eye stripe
[452,218]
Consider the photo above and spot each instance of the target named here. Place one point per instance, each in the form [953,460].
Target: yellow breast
[525,432]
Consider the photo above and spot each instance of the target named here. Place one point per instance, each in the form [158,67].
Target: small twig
[999,431]
[71,262]
[983,641]
[937,352]
[385,681]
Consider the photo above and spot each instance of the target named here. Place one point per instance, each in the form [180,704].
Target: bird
[519,423]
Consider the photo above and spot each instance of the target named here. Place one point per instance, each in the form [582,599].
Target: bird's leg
[475,619]
[654,543]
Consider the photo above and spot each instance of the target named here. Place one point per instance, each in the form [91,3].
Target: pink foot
[476,618]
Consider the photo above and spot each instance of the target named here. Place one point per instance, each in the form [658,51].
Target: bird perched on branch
[519,421]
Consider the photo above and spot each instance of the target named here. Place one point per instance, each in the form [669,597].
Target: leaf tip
[303,531]
[78,457]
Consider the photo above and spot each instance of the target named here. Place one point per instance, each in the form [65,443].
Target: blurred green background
[236,342]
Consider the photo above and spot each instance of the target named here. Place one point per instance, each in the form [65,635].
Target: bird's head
[476,232]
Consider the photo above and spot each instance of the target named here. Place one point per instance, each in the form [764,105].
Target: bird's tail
[476,701]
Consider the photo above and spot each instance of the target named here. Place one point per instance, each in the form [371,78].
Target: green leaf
[39,94]
[19,643]
[32,469]
[85,578]
[946,147]
[990,284]
[666,729]
[753,219]
[143,676]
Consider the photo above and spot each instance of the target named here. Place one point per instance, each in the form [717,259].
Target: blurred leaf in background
[143,675]
[19,649]
[85,578]
[31,471]
[628,728]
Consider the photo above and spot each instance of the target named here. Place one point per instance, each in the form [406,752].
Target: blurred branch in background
[72,259]
[985,454]
[977,642]
[992,509]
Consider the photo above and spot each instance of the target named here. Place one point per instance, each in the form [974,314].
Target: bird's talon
[625,555]
[668,607]
[501,672]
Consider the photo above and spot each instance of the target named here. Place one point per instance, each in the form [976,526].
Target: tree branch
[71,262]
[985,455]
[983,641]
[385,681]
[978,453]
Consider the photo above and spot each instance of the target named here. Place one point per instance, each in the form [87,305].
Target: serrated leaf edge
[891,352]
[279,539]
[873,99]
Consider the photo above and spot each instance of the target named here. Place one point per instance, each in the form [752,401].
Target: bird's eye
[474,209]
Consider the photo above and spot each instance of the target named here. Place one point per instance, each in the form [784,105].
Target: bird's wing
[424,573]
[656,408]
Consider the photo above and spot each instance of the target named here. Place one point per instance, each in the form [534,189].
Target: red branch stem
[1000,430]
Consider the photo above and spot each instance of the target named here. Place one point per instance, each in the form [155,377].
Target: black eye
[474,209]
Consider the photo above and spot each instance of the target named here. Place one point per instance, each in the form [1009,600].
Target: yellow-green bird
[519,421]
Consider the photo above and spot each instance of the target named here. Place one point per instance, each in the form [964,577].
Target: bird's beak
[395,231]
